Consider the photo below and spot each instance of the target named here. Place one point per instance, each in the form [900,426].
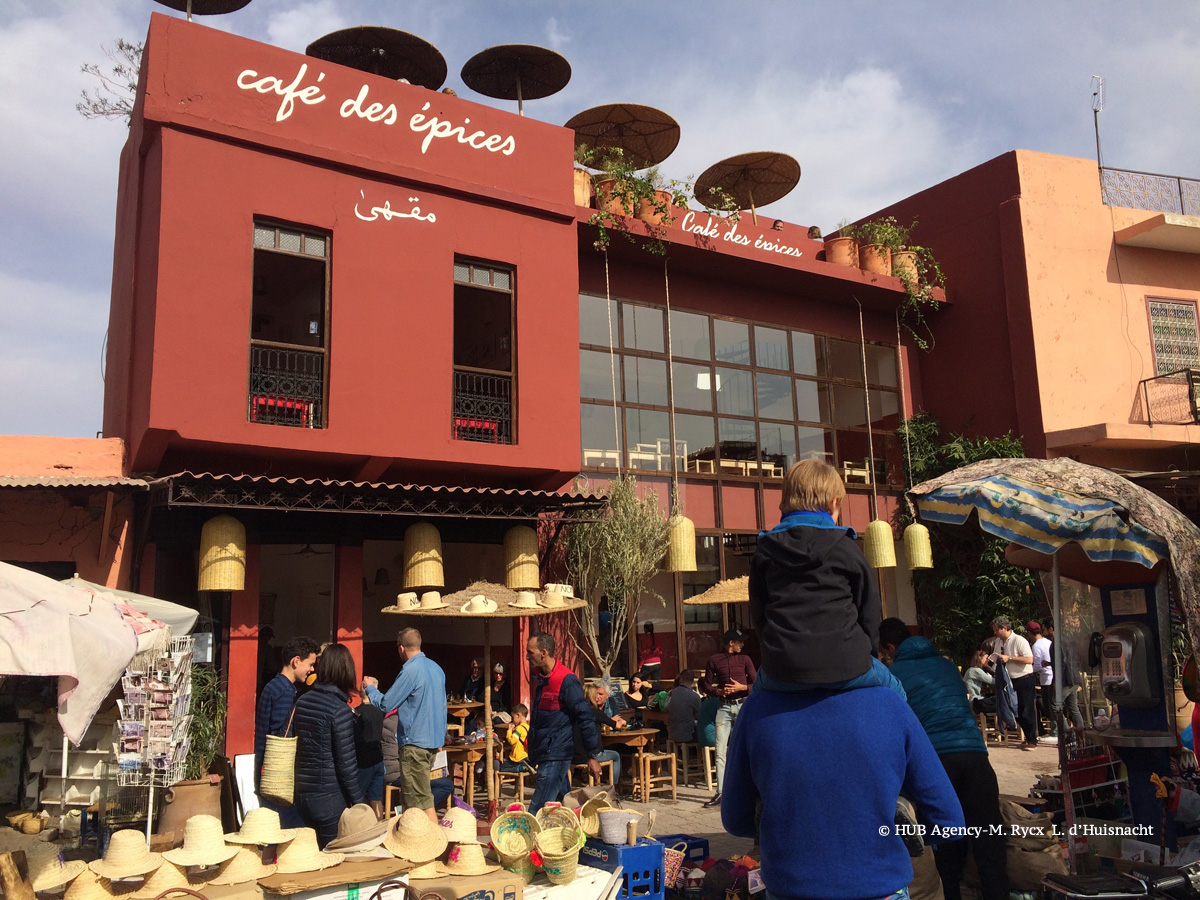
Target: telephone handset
[1094,649]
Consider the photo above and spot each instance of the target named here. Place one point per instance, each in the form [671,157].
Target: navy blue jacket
[275,705]
[556,715]
[938,695]
[325,759]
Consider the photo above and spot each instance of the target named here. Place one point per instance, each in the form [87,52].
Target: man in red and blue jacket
[559,708]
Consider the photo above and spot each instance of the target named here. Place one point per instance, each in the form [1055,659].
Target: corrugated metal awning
[71,481]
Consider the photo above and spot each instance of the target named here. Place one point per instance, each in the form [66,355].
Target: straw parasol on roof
[731,590]
[751,179]
[506,608]
[644,134]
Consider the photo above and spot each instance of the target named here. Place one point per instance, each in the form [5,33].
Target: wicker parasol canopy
[503,597]
[731,590]
[383,51]
[516,72]
[205,7]
[751,179]
[644,134]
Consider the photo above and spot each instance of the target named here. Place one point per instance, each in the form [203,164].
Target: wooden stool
[516,778]
[700,765]
[388,790]
[585,776]
[989,729]
[658,775]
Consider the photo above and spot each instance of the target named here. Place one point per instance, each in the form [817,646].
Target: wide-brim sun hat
[55,873]
[126,856]
[556,595]
[467,859]
[525,600]
[432,600]
[358,829]
[261,826]
[203,844]
[426,871]
[246,865]
[413,836]
[90,886]
[459,825]
[164,878]
[301,854]
[408,600]
[479,604]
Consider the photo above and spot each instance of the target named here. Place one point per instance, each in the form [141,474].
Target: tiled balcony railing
[1143,190]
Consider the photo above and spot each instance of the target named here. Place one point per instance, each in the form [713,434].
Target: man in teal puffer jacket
[938,696]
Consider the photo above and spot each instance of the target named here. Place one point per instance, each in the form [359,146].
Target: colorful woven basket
[558,848]
[513,833]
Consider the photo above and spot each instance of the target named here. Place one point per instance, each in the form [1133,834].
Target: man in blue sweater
[938,696]
[827,768]
[274,712]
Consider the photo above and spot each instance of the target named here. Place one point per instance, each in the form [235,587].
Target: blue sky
[876,100]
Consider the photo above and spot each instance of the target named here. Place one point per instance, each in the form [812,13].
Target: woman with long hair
[327,779]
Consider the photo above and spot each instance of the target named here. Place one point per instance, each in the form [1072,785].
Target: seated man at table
[683,709]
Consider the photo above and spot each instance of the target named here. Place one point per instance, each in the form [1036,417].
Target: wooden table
[655,715]
[466,755]
[639,739]
[463,710]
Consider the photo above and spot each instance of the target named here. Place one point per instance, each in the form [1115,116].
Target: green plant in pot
[623,191]
[198,793]
[841,248]
[919,280]
[879,240]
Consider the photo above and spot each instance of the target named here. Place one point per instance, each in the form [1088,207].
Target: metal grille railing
[1171,399]
[1144,190]
[482,408]
[287,387]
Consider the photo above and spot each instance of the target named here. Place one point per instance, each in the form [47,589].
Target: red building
[343,304]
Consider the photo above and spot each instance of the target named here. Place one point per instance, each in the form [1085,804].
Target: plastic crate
[642,865]
[697,848]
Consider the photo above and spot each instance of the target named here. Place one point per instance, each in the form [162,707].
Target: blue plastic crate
[642,865]
[697,848]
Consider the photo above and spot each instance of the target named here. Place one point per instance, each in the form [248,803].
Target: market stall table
[639,739]
[466,755]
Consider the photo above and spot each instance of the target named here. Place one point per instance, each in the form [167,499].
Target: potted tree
[199,792]
[584,155]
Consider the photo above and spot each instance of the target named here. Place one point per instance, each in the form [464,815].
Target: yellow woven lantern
[879,546]
[222,555]
[423,557]
[521,571]
[918,552]
[681,552]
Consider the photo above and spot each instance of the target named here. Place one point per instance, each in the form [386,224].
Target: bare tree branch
[113,99]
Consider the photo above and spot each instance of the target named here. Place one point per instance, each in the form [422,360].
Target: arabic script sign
[388,213]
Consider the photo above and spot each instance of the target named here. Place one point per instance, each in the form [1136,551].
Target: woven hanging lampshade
[222,555]
[681,553]
[423,557]
[918,552]
[521,571]
[879,546]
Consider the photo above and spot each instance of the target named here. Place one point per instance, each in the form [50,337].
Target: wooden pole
[487,717]
[14,876]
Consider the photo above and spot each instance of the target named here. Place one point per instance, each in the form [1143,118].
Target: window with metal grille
[289,327]
[484,326]
[1174,335]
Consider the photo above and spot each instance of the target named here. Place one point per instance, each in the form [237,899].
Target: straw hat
[301,854]
[428,870]
[261,826]
[408,600]
[525,600]
[414,837]
[54,872]
[358,829]
[459,826]
[556,595]
[164,878]
[203,844]
[565,589]
[246,865]
[126,856]
[370,855]
[479,604]
[90,886]
[467,859]
[432,600]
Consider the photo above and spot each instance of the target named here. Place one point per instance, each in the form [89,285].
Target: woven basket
[555,815]
[423,557]
[521,571]
[589,818]
[513,834]
[222,555]
[917,550]
[681,553]
[613,825]
[673,858]
[279,767]
[879,545]
[559,850]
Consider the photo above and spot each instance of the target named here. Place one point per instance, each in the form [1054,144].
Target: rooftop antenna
[1097,106]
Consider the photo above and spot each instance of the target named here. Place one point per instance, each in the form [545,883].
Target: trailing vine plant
[630,189]
[206,734]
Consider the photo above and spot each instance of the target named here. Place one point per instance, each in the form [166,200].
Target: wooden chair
[388,790]
[658,775]
[581,772]
[989,728]
[516,779]
[695,761]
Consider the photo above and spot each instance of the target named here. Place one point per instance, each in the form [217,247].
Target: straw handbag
[673,858]
[279,766]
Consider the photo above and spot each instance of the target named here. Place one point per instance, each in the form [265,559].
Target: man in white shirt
[1043,667]
[1017,656]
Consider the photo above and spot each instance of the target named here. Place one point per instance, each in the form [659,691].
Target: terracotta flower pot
[905,261]
[583,187]
[875,259]
[842,251]
[605,200]
[648,213]
[185,799]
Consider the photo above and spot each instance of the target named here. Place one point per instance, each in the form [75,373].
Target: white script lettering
[373,113]
[388,213]
[710,229]
[291,93]
[436,128]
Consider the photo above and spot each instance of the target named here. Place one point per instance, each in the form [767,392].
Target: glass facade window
[689,335]
[599,436]
[643,328]
[731,341]
[596,375]
[646,380]
[774,396]
[648,439]
[693,386]
[695,437]
[812,401]
[771,348]
[808,354]
[735,392]
[593,321]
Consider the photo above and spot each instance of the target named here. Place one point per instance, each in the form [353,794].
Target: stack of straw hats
[466,853]
[54,873]
[89,886]
[246,865]
[413,836]
[203,844]
[164,878]
[301,854]
[261,826]
[126,856]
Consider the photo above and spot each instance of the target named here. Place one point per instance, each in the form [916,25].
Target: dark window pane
[735,392]
[482,328]
[596,375]
[732,341]
[693,386]
[853,450]
[648,436]
[881,365]
[808,353]
[845,360]
[593,321]
[646,381]
[815,443]
[598,435]
[289,299]
[643,328]
[770,348]
[689,335]
[739,550]
[696,439]
[778,442]
[812,401]
[774,396]
[738,441]
[849,407]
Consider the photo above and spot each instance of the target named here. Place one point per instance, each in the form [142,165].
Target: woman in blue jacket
[327,780]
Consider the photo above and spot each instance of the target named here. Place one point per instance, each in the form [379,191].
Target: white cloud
[556,36]
[296,28]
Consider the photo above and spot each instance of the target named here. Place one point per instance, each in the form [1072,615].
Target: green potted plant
[199,792]
[920,279]
[841,248]
[624,192]
[879,240]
